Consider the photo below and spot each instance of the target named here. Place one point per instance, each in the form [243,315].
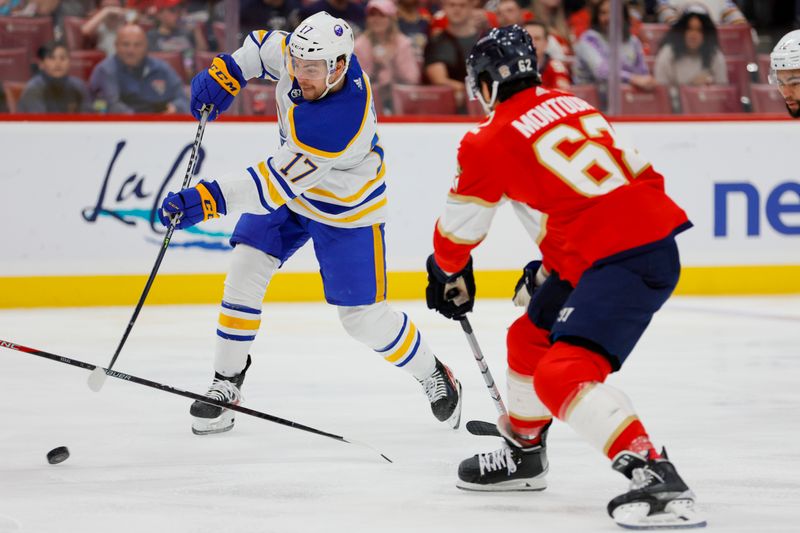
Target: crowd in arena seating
[137,56]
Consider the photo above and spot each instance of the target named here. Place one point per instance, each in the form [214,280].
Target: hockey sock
[526,345]
[526,412]
[240,311]
[569,380]
[392,335]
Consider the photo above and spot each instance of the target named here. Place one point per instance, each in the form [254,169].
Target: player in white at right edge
[324,183]
[785,70]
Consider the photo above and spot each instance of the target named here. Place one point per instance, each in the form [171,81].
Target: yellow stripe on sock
[238,323]
[403,349]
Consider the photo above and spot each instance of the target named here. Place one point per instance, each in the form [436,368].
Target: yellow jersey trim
[356,195]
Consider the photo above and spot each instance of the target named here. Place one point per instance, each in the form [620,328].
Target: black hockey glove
[453,296]
[526,286]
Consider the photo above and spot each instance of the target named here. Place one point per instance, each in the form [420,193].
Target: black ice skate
[209,419]
[658,498]
[444,393]
[511,468]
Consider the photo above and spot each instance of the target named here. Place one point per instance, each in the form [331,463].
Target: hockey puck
[57,455]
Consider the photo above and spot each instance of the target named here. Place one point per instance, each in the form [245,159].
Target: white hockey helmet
[323,36]
[786,54]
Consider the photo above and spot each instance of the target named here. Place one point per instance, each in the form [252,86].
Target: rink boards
[76,226]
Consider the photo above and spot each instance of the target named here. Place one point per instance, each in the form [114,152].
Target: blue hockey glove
[526,285]
[453,296]
[192,205]
[217,86]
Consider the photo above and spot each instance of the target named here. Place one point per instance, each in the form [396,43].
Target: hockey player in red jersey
[609,262]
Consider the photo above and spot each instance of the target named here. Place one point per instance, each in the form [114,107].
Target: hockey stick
[179,392]
[487,375]
[98,377]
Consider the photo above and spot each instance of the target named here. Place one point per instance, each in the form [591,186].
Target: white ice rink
[715,380]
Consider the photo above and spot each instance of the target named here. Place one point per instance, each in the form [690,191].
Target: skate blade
[210,426]
[455,419]
[537,483]
[678,514]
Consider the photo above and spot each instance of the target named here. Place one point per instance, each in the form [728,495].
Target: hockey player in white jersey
[325,183]
[785,70]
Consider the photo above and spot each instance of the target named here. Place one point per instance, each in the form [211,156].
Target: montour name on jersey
[548,112]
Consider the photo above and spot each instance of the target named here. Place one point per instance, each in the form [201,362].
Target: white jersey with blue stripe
[329,167]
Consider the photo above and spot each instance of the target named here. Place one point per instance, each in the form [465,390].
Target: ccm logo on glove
[219,71]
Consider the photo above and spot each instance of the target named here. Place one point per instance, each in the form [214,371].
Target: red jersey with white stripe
[557,154]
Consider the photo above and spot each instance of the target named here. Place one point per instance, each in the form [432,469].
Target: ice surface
[716,380]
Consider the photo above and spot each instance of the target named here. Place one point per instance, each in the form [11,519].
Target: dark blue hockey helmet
[503,55]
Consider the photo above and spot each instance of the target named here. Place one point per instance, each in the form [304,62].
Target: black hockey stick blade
[180,392]
[479,427]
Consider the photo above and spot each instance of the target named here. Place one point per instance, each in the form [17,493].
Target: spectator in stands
[551,13]
[446,53]
[77,8]
[720,11]
[581,20]
[415,22]
[352,12]
[132,82]
[384,53]
[690,53]
[172,34]
[509,12]
[105,22]
[11,7]
[554,73]
[45,8]
[283,15]
[592,54]
[53,90]
[483,19]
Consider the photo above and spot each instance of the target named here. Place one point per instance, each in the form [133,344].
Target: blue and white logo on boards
[131,198]
[743,201]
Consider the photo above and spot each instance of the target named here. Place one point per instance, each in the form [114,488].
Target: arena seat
[202,60]
[587,93]
[25,32]
[82,62]
[475,109]
[764,66]
[709,100]
[655,102]
[13,91]
[73,35]
[174,60]
[652,34]
[738,74]
[14,65]
[258,99]
[423,100]
[737,40]
[218,30]
[767,99]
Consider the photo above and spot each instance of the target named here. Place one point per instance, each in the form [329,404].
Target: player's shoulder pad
[328,126]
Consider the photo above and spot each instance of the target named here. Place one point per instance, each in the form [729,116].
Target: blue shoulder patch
[327,126]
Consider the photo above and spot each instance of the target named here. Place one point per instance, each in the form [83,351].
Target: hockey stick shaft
[97,379]
[179,392]
[487,375]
